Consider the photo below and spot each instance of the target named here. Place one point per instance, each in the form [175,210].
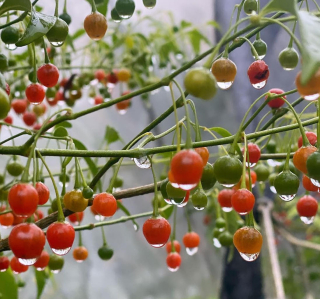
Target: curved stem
[156,199]
[244,162]
[188,220]
[93,4]
[197,127]
[176,117]
[104,237]
[253,49]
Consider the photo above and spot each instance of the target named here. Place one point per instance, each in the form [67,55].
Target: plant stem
[156,199]
[94,8]
[197,127]
[245,150]
[104,237]
[253,49]
[176,117]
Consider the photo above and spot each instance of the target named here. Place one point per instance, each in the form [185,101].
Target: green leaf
[126,211]
[280,5]
[185,24]
[214,24]
[60,132]
[78,33]
[8,286]
[41,279]
[196,37]
[38,26]
[22,5]
[111,135]
[65,124]
[309,26]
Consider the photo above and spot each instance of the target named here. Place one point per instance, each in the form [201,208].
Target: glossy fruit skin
[288,58]
[199,199]
[258,72]
[200,83]
[48,75]
[74,201]
[277,102]
[60,235]
[262,172]
[65,17]
[157,231]
[191,240]
[186,167]
[311,88]
[4,104]
[204,154]
[15,168]
[260,46]
[23,199]
[43,260]
[26,241]
[243,201]
[29,118]
[225,238]
[174,193]
[312,137]
[35,93]
[80,253]
[87,192]
[124,75]
[248,240]
[59,32]
[254,153]
[307,206]
[307,184]
[96,25]
[4,263]
[301,156]
[224,70]
[228,169]
[112,77]
[208,178]
[313,163]
[249,6]
[10,35]
[286,183]
[98,100]
[43,193]
[176,245]
[125,7]
[105,204]
[224,198]
[173,260]
[6,220]
[123,105]
[105,253]
[76,217]
[17,267]
[115,16]
[56,262]
[19,106]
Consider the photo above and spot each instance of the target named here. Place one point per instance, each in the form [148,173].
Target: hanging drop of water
[27,262]
[122,111]
[249,257]
[315,182]
[40,269]
[116,21]
[228,185]
[3,270]
[225,85]
[227,209]
[312,97]
[61,251]
[244,213]
[287,197]
[260,56]
[157,245]
[260,84]
[11,47]
[168,201]
[273,189]
[288,69]
[142,162]
[79,261]
[187,187]
[175,185]
[125,16]
[199,208]
[61,184]
[135,227]
[99,217]
[307,220]
[55,271]
[173,269]
[57,44]
[191,251]
[182,204]
[216,243]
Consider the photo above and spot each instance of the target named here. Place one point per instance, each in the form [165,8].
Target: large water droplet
[187,187]
[122,111]
[199,208]
[221,229]
[57,44]
[244,213]
[182,204]
[288,69]
[175,185]
[166,88]
[99,217]
[79,261]
[116,21]
[312,97]
[173,269]
[27,262]
[66,184]
[56,271]
[248,164]
[273,189]
[135,227]
[216,243]
[225,85]
[260,56]
[168,201]
[3,270]
[125,16]
[287,197]
[228,185]
[157,245]
[249,257]
[273,163]
[315,182]
[226,209]
[192,251]
[142,162]
[11,47]
[307,220]
[260,85]
[40,269]
[61,251]
[179,56]
[5,226]
[155,91]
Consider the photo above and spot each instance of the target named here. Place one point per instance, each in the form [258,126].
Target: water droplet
[216,243]
[273,163]
[135,227]
[260,56]
[142,162]
[14,272]
[157,245]
[251,164]
[288,69]
[125,16]
[173,269]
[61,251]
[182,204]
[244,213]
[55,271]
[287,197]
[79,261]
[175,185]
[225,85]
[307,220]
[199,208]
[155,91]
[99,217]
[5,227]
[249,257]
[179,56]
[312,97]
[315,182]
[192,251]
[166,88]
[168,201]
[228,185]
[273,189]
[40,269]
[61,184]
[3,270]
[221,229]
[57,44]
[260,85]
[187,187]
[226,209]
[11,47]
[27,262]
[116,21]
[122,111]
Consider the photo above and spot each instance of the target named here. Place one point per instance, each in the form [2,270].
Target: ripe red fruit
[27,241]
[7,90]
[173,261]
[29,118]
[17,267]
[37,127]
[157,231]
[243,201]
[307,184]
[4,263]
[307,206]
[18,219]
[312,137]
[38,215]
[258,72]
[100,74]
[176,245]
[254,153]
[60,236]
[80,254]
[8,120]
[35,93]
[224,198]
[204,154]
[98,100]
[19,106]
[6,220]
[277,102]
[43,193]
[105,204]
[53,101]
[42,261]
[63,82]
[76,218]
[112,77]
[191,240]
[48,75]
[186,168]
[23,199]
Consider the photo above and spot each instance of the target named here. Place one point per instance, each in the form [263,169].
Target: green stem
[286,164]
[46,57]
[173,235]
[84,182]
[65,6]
[248,159]
[34,63]
[77,184]
[254,51]
[94,8]
[56,12]
[238,15]
[188,220]
[176,117]
[197,127]
[104,237]
[35,169]
[250,219]
[156,199]
[80,239]
[245,150]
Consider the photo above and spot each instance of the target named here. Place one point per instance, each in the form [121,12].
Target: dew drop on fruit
[61,251]
[182,204]
[57,44]
[122,111]
[251,164]
[179,56]
[249,257]
[226,209]
[11,47]
[5,226]
[192,251]
[27,262]
[3,270]
[173,269]
[61,184]
[116,21]
[99,217]
[260,84]
[260,56]
[273,189]
[244,213]
[168,201]
[187,187]
[216,243]
[175,185]
[315,182]
[79,261]
[224,85]
[288,68]
[157,245]
[287,197]
[307,220]
[228,185]
[55,271]
[40,269]
[142,162]
[312,97]
[273,163]
[199,208]
[125,16]
[221,229]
